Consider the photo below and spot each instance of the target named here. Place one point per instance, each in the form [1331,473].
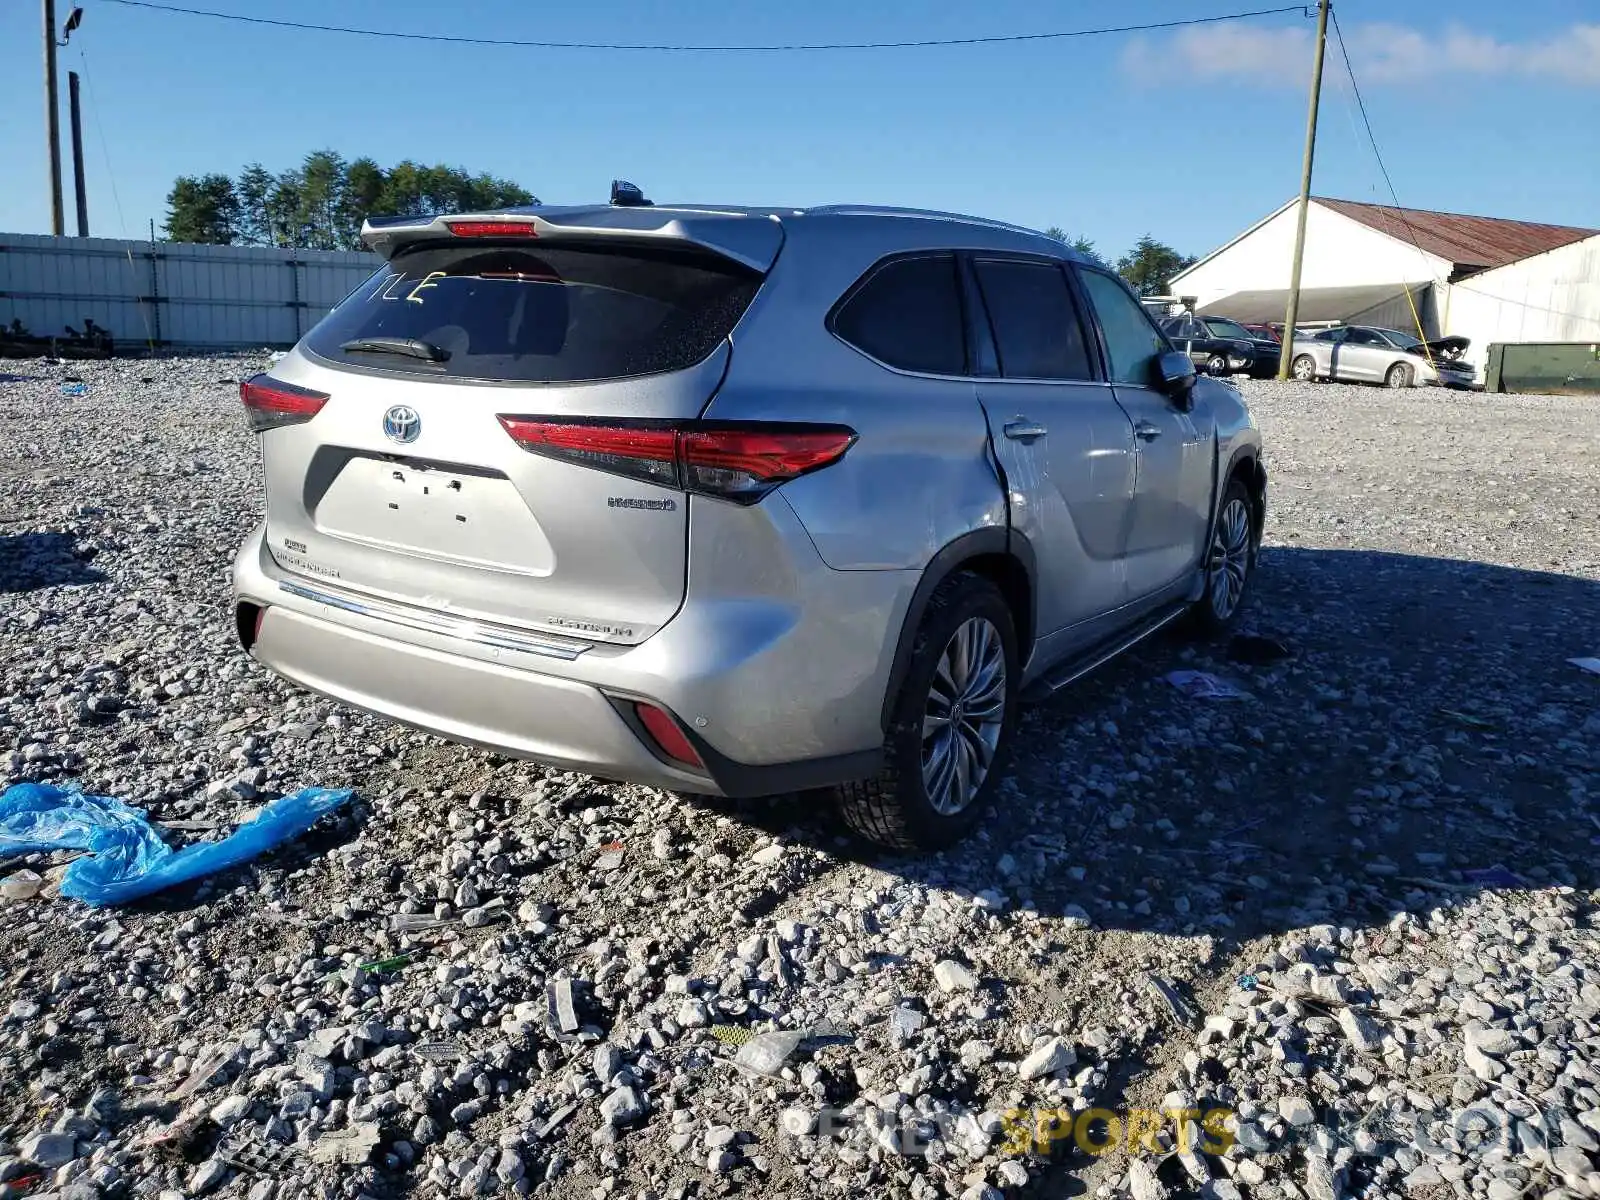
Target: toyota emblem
[402,424]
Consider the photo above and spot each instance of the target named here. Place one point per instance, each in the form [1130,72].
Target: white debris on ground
[1344,928]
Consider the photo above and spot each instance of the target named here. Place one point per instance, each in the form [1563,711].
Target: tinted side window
[908,315]
[1036,326]
[1363,337]
[1132,341]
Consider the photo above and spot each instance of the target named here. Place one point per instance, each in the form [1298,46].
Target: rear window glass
[908,315]
[547,314]
[1035,323]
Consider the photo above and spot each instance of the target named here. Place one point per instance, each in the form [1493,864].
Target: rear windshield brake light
[739,462]
[492,228]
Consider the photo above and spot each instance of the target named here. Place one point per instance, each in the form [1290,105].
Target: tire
[1217,365]
[1230,560]
[1304,368]
[895,809]
[1398,376]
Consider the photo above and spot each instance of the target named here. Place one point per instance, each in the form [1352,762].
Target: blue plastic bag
[130,860]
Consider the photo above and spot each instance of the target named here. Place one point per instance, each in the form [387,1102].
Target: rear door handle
[1145,431]
[1024,430]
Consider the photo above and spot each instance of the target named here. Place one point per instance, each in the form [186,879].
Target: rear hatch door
[407,487]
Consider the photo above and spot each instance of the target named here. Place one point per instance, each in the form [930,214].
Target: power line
[105,150]
[1400,211]
[1361,105]
[1355,130]
[458,39]
[1372,137]
[111,178]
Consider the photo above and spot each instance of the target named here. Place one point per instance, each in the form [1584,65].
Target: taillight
[270,403]
[672,740]
[492,228]
[639,452]
[734,462]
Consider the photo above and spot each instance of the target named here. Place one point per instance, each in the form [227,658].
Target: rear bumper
[499,708]
[775,697]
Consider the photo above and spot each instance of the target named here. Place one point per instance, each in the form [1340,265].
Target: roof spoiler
[751,241]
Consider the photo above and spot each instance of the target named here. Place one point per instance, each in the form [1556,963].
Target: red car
[1266,331]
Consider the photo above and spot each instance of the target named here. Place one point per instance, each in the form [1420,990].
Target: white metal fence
[172,294]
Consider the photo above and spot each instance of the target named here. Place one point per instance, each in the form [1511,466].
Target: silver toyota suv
[738,501]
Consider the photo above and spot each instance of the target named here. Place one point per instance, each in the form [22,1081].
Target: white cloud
[1574,58]
[1382,54]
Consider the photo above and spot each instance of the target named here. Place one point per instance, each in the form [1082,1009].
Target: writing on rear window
[395,286]
[554,314]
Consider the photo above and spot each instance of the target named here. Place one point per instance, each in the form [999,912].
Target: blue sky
[1187,135]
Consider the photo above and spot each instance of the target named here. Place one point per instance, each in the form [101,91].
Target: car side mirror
[1175,375]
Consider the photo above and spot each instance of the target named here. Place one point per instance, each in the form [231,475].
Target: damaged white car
[1370,354]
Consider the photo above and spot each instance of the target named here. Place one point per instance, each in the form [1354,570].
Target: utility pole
[52,116]
[1287,354]
[77,154]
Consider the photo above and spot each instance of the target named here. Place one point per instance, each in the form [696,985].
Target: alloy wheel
[1304,370]
[1230,558]
[964,715]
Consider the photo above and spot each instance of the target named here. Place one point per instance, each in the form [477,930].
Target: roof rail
[887,210]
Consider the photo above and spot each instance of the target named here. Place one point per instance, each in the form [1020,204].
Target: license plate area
[434,510]
[423,493]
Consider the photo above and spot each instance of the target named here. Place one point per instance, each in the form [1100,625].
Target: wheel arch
[1246,466]
[1004,558]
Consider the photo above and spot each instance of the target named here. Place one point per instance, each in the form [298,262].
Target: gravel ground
[1348,921]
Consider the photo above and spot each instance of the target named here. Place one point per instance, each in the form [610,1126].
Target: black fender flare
[1245,458]
[977,543]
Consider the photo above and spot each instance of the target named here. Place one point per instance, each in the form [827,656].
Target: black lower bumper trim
[742,781]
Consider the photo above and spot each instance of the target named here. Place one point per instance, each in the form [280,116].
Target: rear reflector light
[270,403]
[492,228]
[671,740]
[733,462]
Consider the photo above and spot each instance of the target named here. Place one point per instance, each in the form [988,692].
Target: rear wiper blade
[412,347]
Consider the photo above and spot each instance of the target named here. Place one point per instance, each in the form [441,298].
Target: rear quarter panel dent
[893,507]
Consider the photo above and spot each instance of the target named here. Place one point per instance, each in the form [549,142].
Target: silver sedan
[1369,354]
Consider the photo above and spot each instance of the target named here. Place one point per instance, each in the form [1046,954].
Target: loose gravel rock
[1340,933]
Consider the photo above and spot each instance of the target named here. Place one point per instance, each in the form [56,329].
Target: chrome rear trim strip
[476,632]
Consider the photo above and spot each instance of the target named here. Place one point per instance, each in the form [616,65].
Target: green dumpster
[1564,368]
